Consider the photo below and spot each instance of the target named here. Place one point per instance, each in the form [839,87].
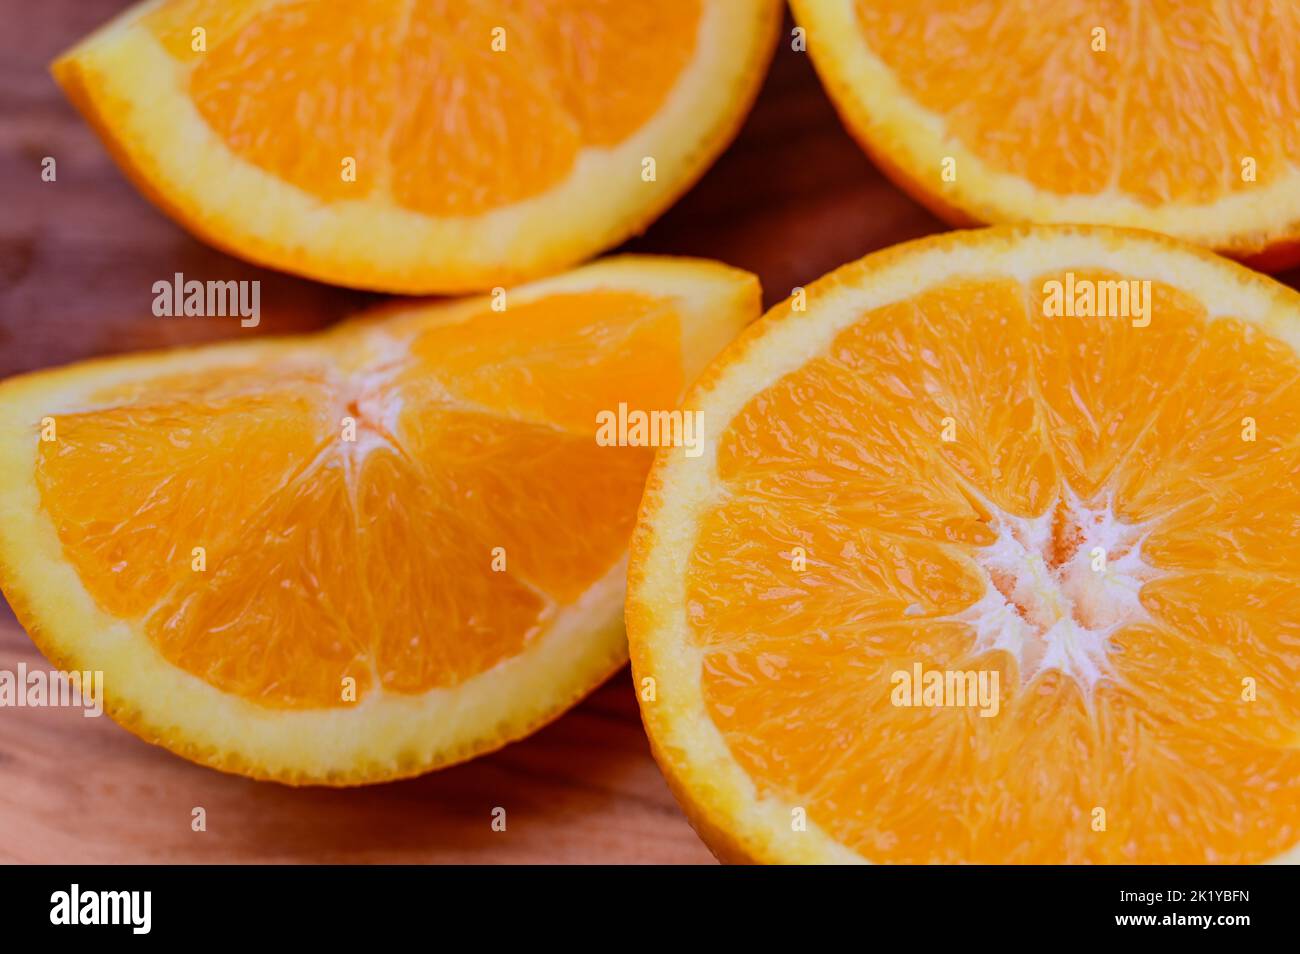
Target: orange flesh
[373,559]
[416,94]
[1181,94]
[1075,422]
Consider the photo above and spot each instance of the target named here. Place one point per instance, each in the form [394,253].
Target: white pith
[370,398]
[1053,613]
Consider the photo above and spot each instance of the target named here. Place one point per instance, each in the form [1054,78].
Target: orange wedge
[965,573]
[430,146]
[363,554]
[1159,115]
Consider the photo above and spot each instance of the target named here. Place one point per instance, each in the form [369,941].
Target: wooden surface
[792,198]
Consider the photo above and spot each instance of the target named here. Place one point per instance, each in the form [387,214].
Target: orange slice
[363,554]
[964,575]
[412,146]
[1159,115]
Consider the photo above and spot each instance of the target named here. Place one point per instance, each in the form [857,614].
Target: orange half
[419,145]
[362,554]
[967,574]
[1160,114]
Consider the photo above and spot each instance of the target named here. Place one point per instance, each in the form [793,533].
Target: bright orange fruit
[431,146]
[1160,115]
[362,554]
[990,556]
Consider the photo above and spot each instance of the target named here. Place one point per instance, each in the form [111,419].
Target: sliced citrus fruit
[419,146]
[362,554]
[966,574]
[1159,115]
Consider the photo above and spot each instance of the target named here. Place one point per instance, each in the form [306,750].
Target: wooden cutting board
[791,199]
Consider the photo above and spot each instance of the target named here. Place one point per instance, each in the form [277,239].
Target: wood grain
[791,199]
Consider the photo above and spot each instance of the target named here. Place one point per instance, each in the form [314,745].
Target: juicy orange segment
[154,467]
[531,366]
[392,514]
[1153,115]
[1096,387]
[1084,525]
[456,126]
[420,145]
